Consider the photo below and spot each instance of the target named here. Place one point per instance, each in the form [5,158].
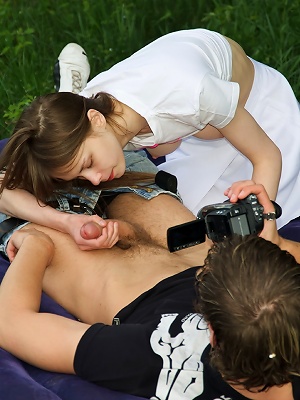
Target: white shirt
[179,83]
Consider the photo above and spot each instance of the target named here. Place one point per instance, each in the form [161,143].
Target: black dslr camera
[220,221]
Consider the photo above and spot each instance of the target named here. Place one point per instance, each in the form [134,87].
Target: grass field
[33,32]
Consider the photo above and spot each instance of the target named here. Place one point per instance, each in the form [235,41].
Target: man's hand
[243,189]
[22,237]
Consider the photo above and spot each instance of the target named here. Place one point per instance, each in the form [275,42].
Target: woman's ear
[212,336]
[96,118]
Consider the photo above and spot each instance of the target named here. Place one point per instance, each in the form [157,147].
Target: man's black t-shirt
[157,348]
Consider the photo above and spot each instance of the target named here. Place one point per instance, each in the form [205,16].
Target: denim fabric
[135,161]
[7,235]
[139,162]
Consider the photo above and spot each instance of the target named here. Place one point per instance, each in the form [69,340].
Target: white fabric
[172,83]
[206,168]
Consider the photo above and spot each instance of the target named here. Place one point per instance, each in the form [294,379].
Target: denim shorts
[135,161]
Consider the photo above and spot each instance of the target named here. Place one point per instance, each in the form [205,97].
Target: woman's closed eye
[87,165]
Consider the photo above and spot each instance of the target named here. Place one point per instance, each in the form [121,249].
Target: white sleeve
[218,101]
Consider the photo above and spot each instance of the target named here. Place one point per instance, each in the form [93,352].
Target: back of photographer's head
[249,293]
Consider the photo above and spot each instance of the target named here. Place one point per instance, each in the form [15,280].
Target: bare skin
[242,73]
[86,282]
[95,285]
[243,132]
[284,392]
[113,278]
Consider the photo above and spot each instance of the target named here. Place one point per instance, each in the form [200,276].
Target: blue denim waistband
[135,161]
[90,199]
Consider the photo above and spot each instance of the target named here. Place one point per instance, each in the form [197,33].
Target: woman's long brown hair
[48,136]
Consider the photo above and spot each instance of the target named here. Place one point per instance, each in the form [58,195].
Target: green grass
[33,32]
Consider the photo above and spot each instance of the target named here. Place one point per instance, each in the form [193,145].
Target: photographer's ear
[212,336]
[209,243]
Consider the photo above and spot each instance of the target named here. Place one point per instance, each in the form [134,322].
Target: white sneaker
[72,69]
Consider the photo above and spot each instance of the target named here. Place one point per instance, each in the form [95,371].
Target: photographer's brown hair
[249,292]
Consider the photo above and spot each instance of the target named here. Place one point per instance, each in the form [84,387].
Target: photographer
[249,293]
[139,332]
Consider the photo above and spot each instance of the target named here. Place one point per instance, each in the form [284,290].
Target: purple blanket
[20,381]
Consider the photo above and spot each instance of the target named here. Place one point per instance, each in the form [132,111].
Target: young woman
[187,83]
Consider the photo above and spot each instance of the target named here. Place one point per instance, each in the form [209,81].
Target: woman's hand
[244,188]
[91,232]
[236,191]
[29,237]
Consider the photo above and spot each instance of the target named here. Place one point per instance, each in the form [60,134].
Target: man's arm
[45,340]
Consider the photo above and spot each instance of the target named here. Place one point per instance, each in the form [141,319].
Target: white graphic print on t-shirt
[181,377]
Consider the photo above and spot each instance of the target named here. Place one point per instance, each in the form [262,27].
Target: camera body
[226,219]
[219,221]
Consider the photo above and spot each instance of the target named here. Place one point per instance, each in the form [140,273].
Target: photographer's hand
[240,190]
[269,231]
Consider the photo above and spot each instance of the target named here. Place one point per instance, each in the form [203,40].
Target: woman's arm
[45,340]
[23,204]
[244,133]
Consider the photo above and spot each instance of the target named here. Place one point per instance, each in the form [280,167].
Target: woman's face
[99,159]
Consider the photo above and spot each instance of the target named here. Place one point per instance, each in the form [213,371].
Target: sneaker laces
[76,82]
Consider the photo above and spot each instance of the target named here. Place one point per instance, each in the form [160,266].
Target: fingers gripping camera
[219,221]
[242,218]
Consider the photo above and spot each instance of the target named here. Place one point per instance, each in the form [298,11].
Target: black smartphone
[186,235]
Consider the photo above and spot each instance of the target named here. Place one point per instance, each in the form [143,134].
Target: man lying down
[152,323]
